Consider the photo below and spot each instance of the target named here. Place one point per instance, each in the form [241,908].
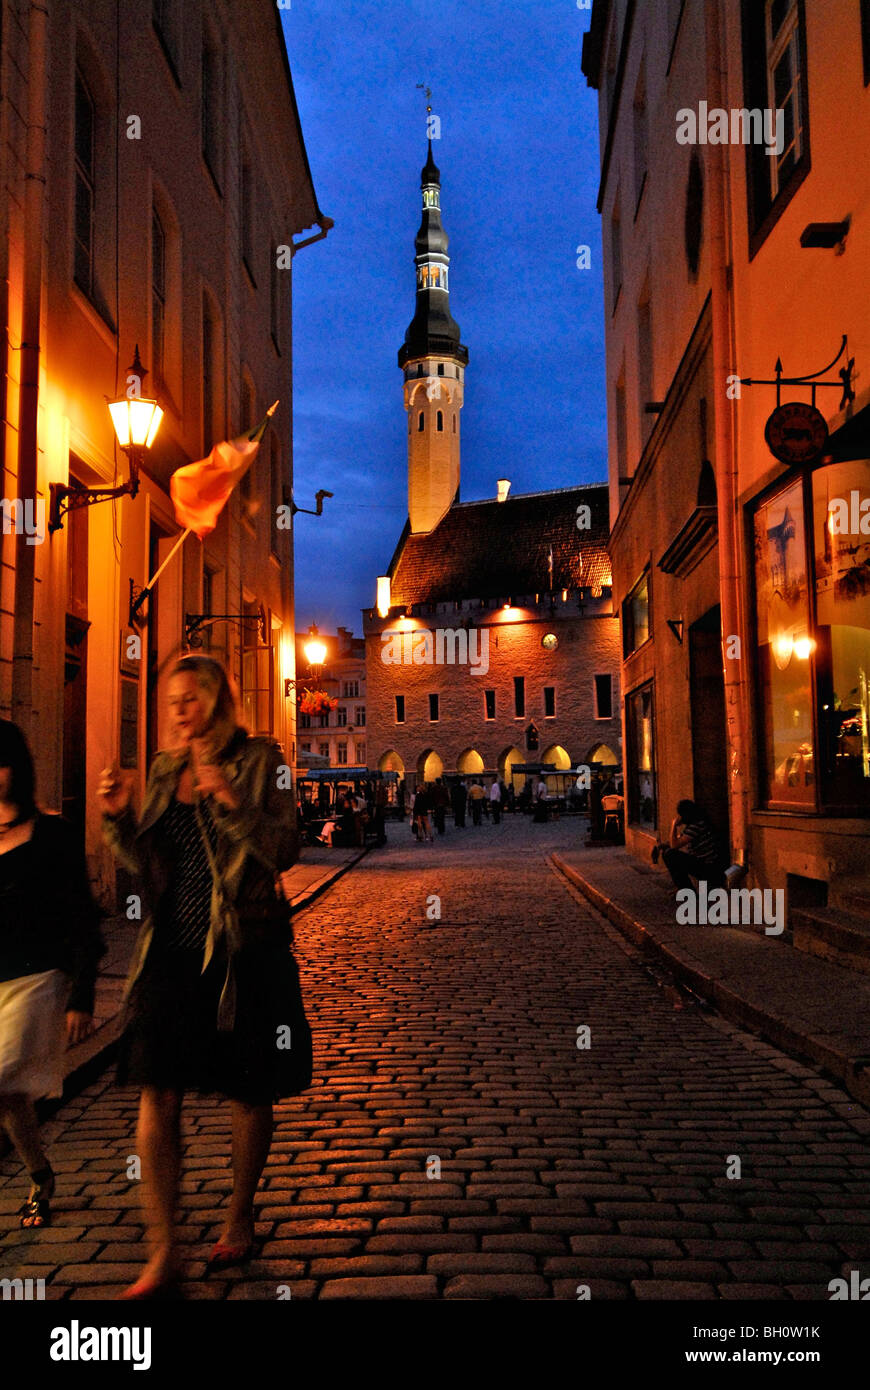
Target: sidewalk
[317,869]
[810,1008]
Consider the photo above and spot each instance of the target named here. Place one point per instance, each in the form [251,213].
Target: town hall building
[494,643]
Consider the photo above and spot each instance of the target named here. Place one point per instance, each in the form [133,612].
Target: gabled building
[337,736]
[154,180]
[741,569]
[494,641]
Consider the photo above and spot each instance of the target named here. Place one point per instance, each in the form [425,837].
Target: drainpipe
[725,446]
[326,225]
[34,200]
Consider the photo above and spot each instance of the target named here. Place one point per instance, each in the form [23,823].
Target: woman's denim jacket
[255,844]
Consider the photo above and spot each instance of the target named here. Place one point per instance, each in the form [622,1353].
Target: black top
[48,917]
[183,921]
[703,843]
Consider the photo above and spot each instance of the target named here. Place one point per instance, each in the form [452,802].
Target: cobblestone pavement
[453,1042]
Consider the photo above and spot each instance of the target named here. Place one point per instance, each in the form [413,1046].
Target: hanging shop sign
[796,432]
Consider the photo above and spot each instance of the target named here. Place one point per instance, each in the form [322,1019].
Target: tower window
[440,420]
[400,709]
[549,701]
[603,697]
[434,712]
[454,422]
[421,421]
[440,368]
[419,368]
[519,696]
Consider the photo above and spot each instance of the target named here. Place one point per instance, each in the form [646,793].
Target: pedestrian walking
[422,806]
[50,944]
[212,1001]
[477,796]
[440,802]
[381,802]
[495,802]
[459,799]
[694,849]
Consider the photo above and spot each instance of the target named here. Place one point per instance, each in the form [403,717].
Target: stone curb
[851,1072]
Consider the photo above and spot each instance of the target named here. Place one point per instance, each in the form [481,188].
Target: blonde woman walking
[213,1000]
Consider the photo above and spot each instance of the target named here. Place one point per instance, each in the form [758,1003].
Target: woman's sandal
[36,1211]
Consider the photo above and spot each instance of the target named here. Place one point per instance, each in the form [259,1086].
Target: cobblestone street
[454,1043]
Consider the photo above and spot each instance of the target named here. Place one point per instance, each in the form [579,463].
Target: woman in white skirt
[50,943]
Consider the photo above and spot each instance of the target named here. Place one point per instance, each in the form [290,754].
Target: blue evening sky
[518,156]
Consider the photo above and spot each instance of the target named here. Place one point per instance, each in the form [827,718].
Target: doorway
[709,740]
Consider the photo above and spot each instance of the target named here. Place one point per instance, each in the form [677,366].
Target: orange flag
[200,490]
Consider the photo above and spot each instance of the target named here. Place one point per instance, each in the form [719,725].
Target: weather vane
[421,87]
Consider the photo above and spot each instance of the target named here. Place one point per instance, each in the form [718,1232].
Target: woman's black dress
[172,1041]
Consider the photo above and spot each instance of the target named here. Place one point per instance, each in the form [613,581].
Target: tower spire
[433,328]
[433,362]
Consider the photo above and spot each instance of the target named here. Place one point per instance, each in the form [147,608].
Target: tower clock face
[549,642]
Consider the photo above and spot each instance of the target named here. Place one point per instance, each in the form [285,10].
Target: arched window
[421,420]
[440,420]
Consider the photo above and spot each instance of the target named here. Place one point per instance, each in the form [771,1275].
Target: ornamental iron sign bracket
[195,624]
[797,432]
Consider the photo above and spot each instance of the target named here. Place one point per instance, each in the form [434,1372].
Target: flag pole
[257,433]
[145,593]
[254,437]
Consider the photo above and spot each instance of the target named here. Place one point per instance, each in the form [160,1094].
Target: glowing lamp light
[383,595]
[802,648]
[315,647]
[783,648]
[136,421]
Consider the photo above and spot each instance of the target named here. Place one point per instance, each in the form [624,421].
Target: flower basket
[316,702]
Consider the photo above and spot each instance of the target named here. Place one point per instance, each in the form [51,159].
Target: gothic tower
[433,362]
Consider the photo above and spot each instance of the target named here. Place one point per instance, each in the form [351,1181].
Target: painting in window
[785,648]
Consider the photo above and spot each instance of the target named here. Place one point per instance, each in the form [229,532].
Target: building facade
[338,736]
[494,641]
[731,207]
[147,205]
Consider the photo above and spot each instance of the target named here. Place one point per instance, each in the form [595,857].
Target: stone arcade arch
[470,763]
[556,755]
[429,766]
[604,754]
[391,762]
[506,761]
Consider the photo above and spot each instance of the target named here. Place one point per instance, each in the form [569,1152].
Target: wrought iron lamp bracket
[196,623]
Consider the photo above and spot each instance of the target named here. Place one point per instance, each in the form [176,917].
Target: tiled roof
[499,549]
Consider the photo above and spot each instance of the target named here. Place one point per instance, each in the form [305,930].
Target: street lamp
[136,420]
[315,655]
[315,651]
